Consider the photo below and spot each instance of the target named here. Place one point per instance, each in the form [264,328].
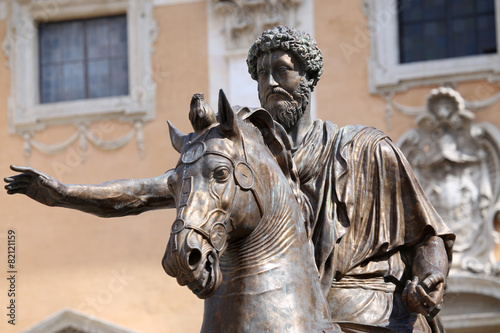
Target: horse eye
[221,174]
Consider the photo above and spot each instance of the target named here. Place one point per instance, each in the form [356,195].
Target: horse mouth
[209,278]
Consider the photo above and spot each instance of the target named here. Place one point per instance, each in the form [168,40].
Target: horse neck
[278,240]
[270,282]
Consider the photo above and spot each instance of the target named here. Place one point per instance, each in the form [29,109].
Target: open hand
[35,184]
[425,297]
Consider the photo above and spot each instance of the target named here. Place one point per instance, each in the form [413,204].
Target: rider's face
[279,74]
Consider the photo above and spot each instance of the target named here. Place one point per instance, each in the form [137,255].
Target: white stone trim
[3,10]
[386,74]
[459,314]
[476,322]
[27,115]
[415,111]
[470,105]
[227,66]
[173,2]
[71,318]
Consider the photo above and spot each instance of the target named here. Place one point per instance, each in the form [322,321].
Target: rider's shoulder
[359,129]
[349,135]
[351,131]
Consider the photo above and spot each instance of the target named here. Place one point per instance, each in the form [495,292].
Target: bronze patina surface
[239,240]
[275,222]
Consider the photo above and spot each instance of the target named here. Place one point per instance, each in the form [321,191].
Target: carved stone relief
[458,165]
[72,321]
[244,20]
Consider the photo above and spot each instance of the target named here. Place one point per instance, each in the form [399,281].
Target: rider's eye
[221,174]
[282,69]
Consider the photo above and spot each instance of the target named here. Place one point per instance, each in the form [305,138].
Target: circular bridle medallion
[178,226]
[243,175]
[193,153]
[218,236]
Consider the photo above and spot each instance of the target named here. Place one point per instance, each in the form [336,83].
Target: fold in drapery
[364,202]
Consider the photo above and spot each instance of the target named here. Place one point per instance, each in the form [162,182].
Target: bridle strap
[217,244]
[180,224]
[198,230]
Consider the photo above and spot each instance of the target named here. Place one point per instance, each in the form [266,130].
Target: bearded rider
[381,250]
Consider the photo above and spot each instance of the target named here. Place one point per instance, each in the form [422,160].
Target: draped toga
[365,211]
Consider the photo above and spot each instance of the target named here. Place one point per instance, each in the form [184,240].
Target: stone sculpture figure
[457,162]
[381,251]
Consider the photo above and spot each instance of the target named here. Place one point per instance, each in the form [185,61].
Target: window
[79,61]
[437,29]
[432,42]
[82,59]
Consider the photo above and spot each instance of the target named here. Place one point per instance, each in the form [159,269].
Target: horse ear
[177,137]
[226,116]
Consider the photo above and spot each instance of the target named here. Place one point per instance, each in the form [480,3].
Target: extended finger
[27,170]
[21,169]
[16,185]
[18,190]
[21,178]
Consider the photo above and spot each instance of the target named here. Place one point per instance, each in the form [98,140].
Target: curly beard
[288,113]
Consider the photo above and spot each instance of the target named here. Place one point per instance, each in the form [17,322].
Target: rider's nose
[272,81]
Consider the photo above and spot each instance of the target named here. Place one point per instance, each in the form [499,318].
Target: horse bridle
[244,177]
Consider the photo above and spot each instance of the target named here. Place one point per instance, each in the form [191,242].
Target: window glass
[437,29]
[83,59]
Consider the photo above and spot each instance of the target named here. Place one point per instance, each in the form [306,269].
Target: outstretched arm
[110,199]
[424,294]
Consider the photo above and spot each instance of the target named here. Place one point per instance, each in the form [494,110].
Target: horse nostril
[194,257]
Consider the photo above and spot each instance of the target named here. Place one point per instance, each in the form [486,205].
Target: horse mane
[276,139]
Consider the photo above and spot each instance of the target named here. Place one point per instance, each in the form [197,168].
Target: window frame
[27,114]
[387,74]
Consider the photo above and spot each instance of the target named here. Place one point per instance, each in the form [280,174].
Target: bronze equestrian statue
[381,251]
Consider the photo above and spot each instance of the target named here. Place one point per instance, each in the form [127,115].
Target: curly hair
[288,39]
